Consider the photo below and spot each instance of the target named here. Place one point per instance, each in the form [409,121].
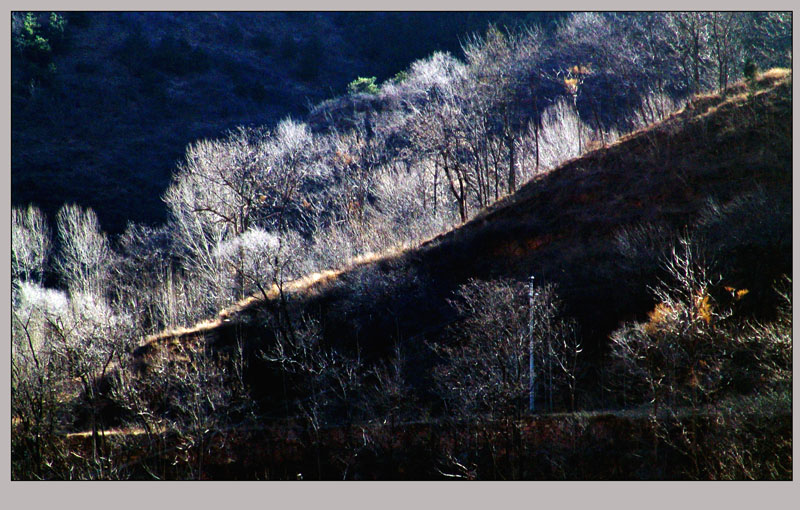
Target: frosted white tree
[251,179]
[30,244]
[560,134]
[84,256]
[261,259]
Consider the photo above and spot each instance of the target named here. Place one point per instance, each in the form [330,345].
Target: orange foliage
[703,308]
[657,316]
[581,70]
[737,294]
[571,84]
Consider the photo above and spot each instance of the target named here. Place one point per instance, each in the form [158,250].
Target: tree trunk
[435,180]
[512,164]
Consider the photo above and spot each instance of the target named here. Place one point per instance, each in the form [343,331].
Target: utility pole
[531,373]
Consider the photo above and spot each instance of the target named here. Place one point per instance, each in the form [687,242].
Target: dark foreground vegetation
[658,317]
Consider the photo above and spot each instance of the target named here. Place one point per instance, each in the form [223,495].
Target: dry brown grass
[305,285]
[114,432]
[775,74]
[183,331]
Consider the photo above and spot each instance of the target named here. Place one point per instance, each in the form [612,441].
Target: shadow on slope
[564,228]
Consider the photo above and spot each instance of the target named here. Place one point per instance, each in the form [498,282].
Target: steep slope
[732,150]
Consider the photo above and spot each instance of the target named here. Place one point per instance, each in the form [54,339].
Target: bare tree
[434,132]
[768,38]
[84,257]
[690,38]
[36,382]
[688,359]
[486,372]
[66,341]
[30,244]
[403,211]
[434,128]
[726,30]
[390,400]
[201,398]
[484,377]
[654,107]
[321,385]
[262,259]
[226,187]
[661,363]
[63,346]
[185,402]
[147,282]
[560,134]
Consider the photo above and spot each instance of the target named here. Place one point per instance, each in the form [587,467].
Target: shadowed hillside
[567,227]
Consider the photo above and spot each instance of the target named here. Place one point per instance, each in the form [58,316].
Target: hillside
[254,394]
[550,246]
[102,116]
[128,91]
[565,228]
